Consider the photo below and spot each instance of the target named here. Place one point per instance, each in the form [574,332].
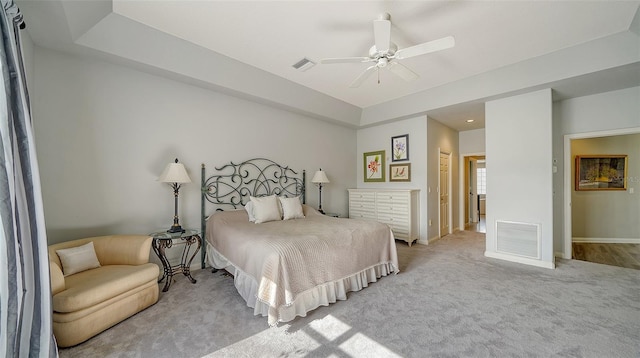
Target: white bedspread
[284,269]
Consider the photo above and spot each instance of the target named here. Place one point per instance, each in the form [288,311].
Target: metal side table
[163,240]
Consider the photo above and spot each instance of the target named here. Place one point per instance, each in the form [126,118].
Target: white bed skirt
[307,301]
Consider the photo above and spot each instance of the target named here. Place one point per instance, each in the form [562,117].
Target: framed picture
[374,166]
[400,148]
[400,172]
[601,172]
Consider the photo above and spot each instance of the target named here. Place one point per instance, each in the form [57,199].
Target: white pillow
[266,208]
[78,259]
[291,208]
[249,208]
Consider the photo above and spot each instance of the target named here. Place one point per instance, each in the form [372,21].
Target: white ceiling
[273,35]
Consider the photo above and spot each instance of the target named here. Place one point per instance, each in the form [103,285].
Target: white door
[444,194]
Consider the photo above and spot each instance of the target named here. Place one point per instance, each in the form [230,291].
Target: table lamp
[320,178]
[175,174]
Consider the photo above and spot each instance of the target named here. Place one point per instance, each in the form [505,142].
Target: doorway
[444,180]
[601,226]
[474,193]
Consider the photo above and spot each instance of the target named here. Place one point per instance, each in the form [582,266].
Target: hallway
[480,226]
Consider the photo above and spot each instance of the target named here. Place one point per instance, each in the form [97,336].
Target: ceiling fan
[385,53]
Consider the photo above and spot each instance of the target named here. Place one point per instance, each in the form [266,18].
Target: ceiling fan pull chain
[378,72]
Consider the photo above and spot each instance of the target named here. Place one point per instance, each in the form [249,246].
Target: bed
[284,268]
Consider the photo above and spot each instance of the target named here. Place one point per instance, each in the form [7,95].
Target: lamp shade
[174,173]
[320,177]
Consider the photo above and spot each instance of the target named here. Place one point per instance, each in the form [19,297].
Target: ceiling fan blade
[363,76]
[382,34]
[327,61]
[427,47]
[402,71]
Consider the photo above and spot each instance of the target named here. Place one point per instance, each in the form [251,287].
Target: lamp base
[175,229]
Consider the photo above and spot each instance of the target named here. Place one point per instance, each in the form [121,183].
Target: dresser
[398,208]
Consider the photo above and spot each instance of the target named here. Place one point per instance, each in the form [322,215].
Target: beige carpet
[448,301]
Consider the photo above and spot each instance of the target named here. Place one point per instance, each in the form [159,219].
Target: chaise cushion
[91,287]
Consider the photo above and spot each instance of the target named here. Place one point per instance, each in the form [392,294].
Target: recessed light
[470,120]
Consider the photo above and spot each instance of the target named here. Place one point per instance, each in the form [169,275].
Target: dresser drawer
[400,235]
[392,197]
[362,196]
[362,204]
[396,208]
[362,215]
[399,221]
[393,210]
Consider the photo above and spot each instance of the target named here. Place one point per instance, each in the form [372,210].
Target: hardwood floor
[480,226]
[623,255]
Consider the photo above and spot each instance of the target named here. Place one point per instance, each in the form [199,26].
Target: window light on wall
[481,181]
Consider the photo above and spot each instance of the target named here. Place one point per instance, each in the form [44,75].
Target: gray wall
[615,110]
[519,170]
[445,139]
[608,215]
[104,133]
[379,138]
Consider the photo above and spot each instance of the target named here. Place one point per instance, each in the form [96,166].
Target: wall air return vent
[521,239]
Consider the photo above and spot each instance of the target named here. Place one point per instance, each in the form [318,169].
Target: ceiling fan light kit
[385,53]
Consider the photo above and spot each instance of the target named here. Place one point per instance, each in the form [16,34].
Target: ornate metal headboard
[233,184]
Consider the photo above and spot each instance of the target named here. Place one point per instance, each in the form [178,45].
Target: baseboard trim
[605,240]
[434,239]
[520,260]
[559,255]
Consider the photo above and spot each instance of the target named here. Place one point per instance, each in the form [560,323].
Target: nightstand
[163,240]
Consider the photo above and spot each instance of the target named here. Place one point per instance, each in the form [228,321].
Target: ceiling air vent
[304,64]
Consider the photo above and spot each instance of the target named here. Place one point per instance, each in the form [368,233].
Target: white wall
[615,110]
[472,141]
[105,132]
[519,168]
[445,139]
[379,138]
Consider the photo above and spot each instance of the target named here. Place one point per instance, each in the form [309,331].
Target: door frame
[449,203]
[462,190]
[568,176]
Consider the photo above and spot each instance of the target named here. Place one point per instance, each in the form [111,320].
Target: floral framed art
[400,172]
[601,172]
[374,166]
[400,148]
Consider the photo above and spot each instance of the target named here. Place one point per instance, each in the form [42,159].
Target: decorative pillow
[78,259]
[265,209]
[249,208]
[291,208]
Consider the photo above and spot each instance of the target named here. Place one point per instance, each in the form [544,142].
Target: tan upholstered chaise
[88,302]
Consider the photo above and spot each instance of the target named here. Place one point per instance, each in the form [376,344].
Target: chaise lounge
[115,281]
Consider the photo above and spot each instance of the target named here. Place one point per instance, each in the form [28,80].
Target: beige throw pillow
[291,208]
[266,208]
[78,259]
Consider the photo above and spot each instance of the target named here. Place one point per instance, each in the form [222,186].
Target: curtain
[25,293]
